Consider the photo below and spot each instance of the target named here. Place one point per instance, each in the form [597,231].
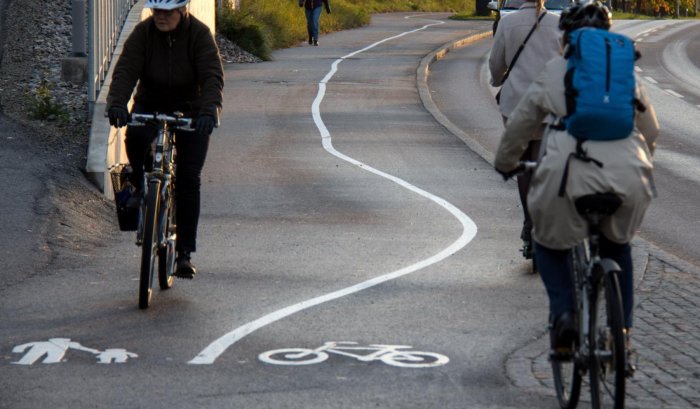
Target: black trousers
[191,154]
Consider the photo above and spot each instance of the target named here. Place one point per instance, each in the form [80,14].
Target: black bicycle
[156,231]
[599,347]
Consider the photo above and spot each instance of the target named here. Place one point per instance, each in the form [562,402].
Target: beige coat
[542,46]
[627,168]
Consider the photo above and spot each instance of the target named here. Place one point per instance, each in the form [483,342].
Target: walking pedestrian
[312,8]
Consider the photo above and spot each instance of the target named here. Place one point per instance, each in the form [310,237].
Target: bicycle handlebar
[174,121]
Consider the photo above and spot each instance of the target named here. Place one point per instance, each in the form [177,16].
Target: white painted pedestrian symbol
[53,351]
[394,355]
[116,355]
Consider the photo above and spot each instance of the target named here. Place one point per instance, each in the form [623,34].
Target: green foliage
[42,105]
[248,32]
[260,26]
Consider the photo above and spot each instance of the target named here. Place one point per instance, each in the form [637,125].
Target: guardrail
[105,21]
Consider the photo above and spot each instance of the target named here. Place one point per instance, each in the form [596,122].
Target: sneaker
[316,43]
[311,40]
[184,267]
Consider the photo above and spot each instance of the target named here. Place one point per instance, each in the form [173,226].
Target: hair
[539,9]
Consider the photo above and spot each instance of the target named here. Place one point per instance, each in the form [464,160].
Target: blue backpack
[600,85]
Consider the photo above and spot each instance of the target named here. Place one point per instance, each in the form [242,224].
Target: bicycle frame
[162,149]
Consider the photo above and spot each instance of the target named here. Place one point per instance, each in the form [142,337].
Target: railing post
[78,16]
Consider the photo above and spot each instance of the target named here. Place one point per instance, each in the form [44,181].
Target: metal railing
[105,21]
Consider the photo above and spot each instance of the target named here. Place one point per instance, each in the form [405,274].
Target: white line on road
[674,93]
[651,80]
[209,354]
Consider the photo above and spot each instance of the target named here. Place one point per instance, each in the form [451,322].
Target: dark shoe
[184,267]
[311,40]
[562,336]
[316,43]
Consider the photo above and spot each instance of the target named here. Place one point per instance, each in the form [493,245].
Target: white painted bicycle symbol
[393,355]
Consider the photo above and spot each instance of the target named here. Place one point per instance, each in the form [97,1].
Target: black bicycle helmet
[585,14]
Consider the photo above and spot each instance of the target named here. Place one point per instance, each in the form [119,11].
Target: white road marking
[53,350]
[209,354]
[651,80]
[674,93]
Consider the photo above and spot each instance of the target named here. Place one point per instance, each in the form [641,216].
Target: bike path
[666,287]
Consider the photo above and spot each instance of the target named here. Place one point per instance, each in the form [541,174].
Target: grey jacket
[542,46]
[627,165]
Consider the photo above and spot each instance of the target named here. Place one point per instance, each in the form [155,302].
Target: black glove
[118,116]
[204,125]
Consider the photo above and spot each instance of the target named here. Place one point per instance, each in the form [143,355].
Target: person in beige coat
[542,46]
[627,171]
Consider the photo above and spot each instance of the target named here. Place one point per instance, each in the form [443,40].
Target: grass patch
[43,106]
[261,26]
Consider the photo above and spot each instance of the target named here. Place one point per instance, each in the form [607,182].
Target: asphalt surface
[278,194]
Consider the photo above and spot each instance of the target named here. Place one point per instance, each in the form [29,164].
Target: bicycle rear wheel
[149,246]
[166,254]
[607,360]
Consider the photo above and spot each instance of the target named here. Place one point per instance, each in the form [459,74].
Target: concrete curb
[427,99]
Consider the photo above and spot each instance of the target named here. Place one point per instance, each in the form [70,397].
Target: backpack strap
[580,154]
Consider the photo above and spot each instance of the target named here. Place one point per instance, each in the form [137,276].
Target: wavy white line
[209,354]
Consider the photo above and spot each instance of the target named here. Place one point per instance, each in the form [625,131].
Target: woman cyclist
[542,46]
[627,172]
[175,61]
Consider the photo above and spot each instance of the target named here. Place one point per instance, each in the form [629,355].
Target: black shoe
[562,336]
[184,267]
[316,43]
[311,40]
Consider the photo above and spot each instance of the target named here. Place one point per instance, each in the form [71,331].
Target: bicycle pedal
[561,355]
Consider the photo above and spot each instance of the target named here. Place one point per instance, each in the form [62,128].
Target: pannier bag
[128,217]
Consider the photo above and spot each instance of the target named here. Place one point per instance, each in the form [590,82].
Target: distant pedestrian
[312,8]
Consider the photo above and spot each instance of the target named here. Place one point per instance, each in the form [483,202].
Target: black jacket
[312,4]
[176,71]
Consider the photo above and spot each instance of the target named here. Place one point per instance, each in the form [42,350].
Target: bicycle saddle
[601,204]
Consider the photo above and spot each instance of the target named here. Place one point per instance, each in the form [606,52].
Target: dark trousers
[191,154]
[555,271]
[313,17]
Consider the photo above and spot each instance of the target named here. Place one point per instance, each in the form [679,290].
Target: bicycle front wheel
[607,359]
[149,246]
